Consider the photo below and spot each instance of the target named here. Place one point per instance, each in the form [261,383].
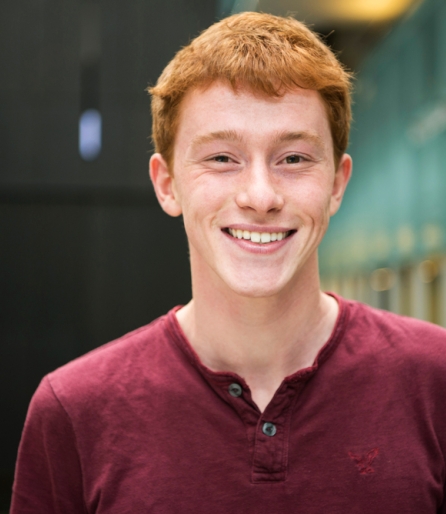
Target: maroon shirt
[141,426]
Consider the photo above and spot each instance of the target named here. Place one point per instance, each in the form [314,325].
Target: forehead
[255,117]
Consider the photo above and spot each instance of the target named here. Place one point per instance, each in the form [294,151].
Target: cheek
[209,194]
[312,197]
[202,205]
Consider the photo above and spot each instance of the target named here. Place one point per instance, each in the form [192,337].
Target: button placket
[270,459]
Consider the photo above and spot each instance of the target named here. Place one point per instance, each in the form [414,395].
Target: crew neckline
[326,350]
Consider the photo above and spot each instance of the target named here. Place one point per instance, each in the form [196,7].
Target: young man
[263,394]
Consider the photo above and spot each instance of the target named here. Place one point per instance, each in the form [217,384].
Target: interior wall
[393,213]
[86,252]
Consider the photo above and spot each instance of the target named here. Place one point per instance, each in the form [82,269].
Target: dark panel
[74,277]
[41,96]
[86,254]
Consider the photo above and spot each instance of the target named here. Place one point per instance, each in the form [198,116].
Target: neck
[261,339]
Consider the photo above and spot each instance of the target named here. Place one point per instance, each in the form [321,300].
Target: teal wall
[395,208]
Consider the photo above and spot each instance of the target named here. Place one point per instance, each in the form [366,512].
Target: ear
[164,185]
[342,176]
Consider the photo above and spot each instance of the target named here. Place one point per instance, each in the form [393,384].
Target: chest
[313,454]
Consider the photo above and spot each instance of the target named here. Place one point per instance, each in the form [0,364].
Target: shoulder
[394,340]
[394,327]
[127,363]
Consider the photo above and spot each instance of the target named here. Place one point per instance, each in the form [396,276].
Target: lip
[259,228]
[264,248]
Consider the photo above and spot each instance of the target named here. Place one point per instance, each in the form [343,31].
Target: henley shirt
[140,425]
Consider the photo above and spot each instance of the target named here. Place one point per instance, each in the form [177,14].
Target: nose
[259,190]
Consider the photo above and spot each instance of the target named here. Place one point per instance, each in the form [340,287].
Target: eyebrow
[280,137]
[220,135]
[283,137]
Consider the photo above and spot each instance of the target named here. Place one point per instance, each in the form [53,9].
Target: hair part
[267,54]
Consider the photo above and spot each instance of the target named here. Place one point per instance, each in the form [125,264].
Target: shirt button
[235,390]
[269,429]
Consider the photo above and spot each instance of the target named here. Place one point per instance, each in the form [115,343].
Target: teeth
[258,237]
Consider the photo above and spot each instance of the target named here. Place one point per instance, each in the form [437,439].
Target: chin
[254,289]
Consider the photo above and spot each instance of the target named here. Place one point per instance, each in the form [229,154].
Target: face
[255,180]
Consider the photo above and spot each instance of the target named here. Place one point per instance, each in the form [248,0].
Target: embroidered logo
[364,462]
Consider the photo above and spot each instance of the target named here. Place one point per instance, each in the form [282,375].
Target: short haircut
[267,54]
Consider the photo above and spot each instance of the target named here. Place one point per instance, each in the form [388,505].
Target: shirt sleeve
[48,477]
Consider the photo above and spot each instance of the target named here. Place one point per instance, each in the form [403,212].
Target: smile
[258,237]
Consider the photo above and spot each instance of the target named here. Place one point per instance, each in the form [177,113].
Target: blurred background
[87,254]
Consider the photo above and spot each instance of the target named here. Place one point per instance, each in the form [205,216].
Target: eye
[294,159]
[221,158]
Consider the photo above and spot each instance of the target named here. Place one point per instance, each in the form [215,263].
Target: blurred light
[370,10]
[432,236]
[382,279]
[323,12]
[428,271]
[90,134]
[406,239]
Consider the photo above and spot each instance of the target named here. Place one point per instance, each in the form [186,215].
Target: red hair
[264,53]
